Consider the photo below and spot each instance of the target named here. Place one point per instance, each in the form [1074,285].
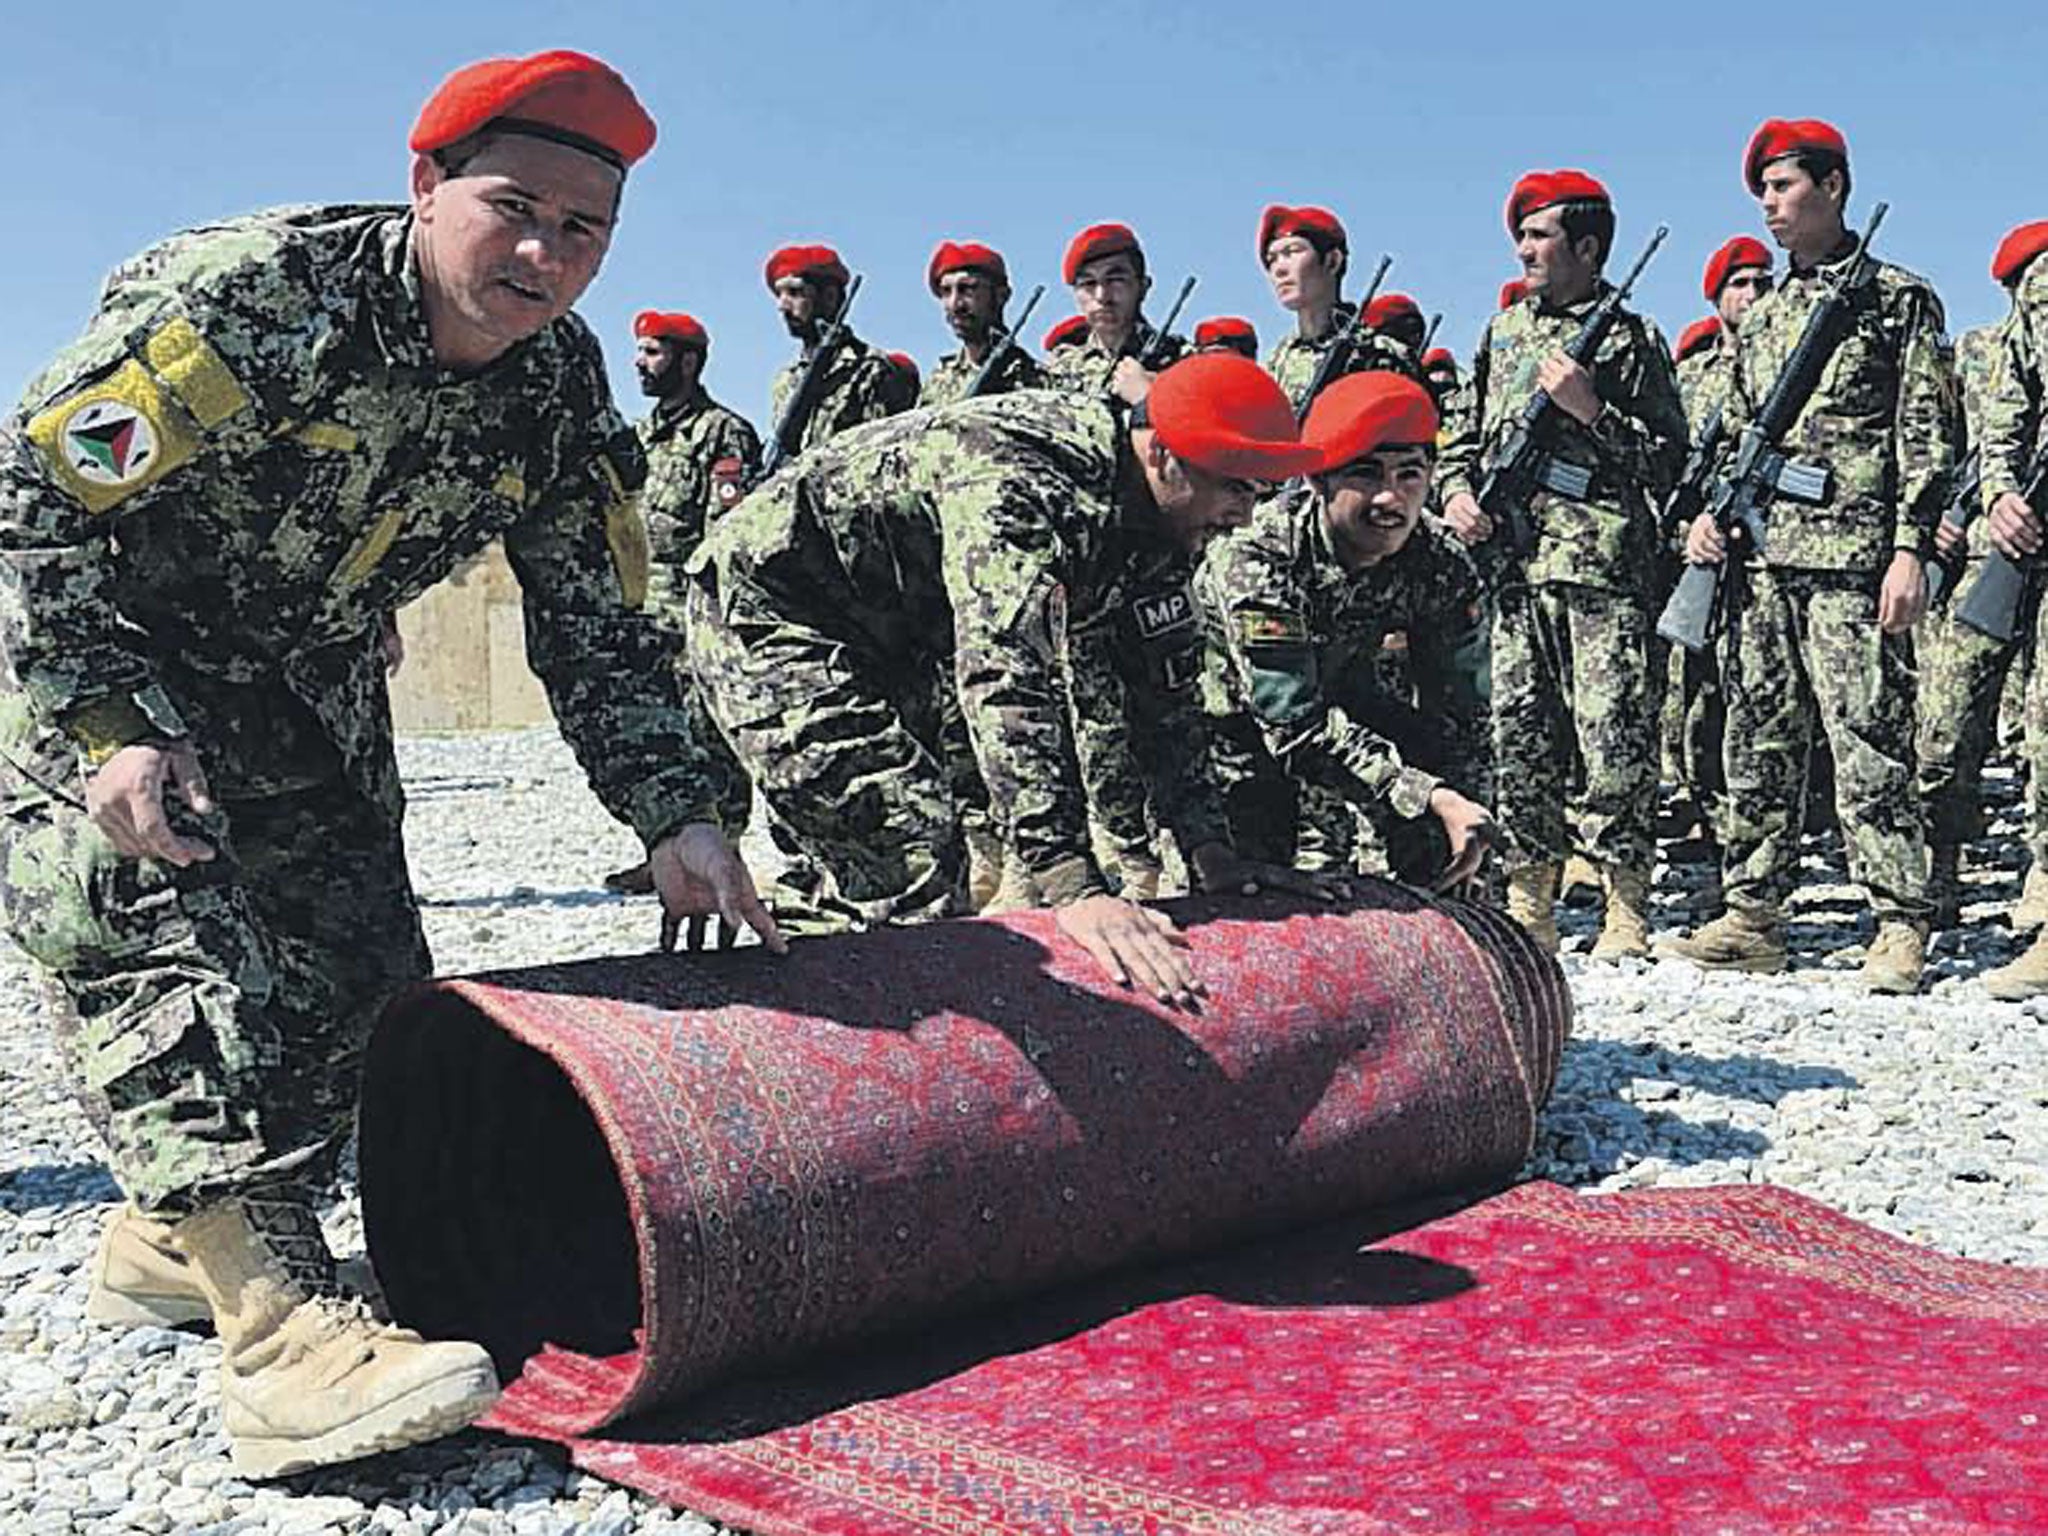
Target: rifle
[796,411]
[1964,503]
[1429,335]
[1760,472]
[1154,355]
[1992,605]
[1523,463]
[1342,345]
[1004,346]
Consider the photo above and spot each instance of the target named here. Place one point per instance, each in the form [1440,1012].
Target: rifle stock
[1962,510]
[1992,605]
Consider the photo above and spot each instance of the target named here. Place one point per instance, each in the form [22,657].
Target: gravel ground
[1927,1117]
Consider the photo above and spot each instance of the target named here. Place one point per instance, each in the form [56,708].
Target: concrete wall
[465,655]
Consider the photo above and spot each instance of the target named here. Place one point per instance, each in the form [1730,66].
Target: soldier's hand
[1219,869]
[2014,527]
[1948,538]
[1470,828]
[1131,380]
[126,795]
[1467,519]
[1704,542]
[699,875]
[1903,597]
[1137,946]
[1570,387]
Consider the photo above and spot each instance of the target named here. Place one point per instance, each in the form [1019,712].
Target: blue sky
[883,128]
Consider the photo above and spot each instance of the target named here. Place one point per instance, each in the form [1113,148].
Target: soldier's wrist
[1070,880]
[101,727]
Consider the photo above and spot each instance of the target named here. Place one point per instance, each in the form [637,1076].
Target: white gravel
[1927,1117]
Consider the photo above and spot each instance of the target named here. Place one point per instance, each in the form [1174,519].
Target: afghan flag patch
[113,437]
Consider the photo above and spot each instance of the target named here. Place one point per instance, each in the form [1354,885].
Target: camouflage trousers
[1963,676]
[1574,728]
[848,748]
[1694,719]
[1802,652]
[212,1018]
[665,587]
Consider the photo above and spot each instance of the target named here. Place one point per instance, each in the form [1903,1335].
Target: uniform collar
[671,411]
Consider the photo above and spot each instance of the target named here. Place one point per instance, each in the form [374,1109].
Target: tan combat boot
[1532,902]
[2032,911]
[140,1279]
[1945,884]
[1895,959]
[1740,939]
[1579,886]
[1625,927]
[2022,978]
[308,1379]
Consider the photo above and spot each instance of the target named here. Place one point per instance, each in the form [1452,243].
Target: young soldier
[275,430]
[977,537]
[1305,253]
[1228,333]
[1105,266]
[1297,605]
[1574,728]
[972,284]
[1963,672]
[861,382]
[1820,638]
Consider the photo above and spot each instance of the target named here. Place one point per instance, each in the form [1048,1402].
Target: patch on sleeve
[1264,626]
[625,529]
[114,437]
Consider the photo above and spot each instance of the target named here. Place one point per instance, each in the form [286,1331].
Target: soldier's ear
[427,174]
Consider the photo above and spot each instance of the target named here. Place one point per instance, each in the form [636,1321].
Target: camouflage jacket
[1976,362]
[209,500]
[1704,380]
[1294,358]
[1293,637]
[684,439]
[948,380]
[995,529]
[1087,367]
[1881,418]
[860,384]
[2012,419]
[1635,447]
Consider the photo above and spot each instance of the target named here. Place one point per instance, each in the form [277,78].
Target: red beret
[1365,411]
[1541,189]
[907,363]
[1438,357]
[1389,307]
[1513,291]
[1070,332]
[560,94]
[820,263]
[1737,255]
[1279,219]
[1780,137]
[1096,241]
[2017,249]
[684,329]
[1225,415]
[1225,328]
[953,255]
[1696,337]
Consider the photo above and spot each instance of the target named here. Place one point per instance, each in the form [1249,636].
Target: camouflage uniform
[205,505]
[861,383]
[1302,720]
[1294,358]
[1573,706]
[977,537]
[1087,367]
[2012,430]
[1801,646]
[1695,712]
[1963,671]
[956,370]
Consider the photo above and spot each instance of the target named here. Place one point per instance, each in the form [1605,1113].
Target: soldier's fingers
[154,836]
[190,778]
[741,906]
[1166,928]
[1105,954]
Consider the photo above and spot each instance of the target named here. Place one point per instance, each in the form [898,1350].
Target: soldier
[1105,266]
[1820,634]
[2011,429]
[1297,605]
[1228,333]
[275,430]
[1695,344]
[861,383]
[1512,292]
[972,284]
[1305,253]
[1963,673]
[1440,373]
[980,535]
[1574,727]
[1070,332]
[1397,318]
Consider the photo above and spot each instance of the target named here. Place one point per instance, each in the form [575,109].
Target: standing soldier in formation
[275,430]
[972,284]
[1228,333]
[1963,672]
[1061,334]
[1574,727]
[1440,373]
[1397,320]
[1819,637]
[978,536]
[1105,266]
[2014,431]
[1297,606]
[861,382]
[1306,253]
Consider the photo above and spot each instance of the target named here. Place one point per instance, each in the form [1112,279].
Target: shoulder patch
[113,437]
[1264,626]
